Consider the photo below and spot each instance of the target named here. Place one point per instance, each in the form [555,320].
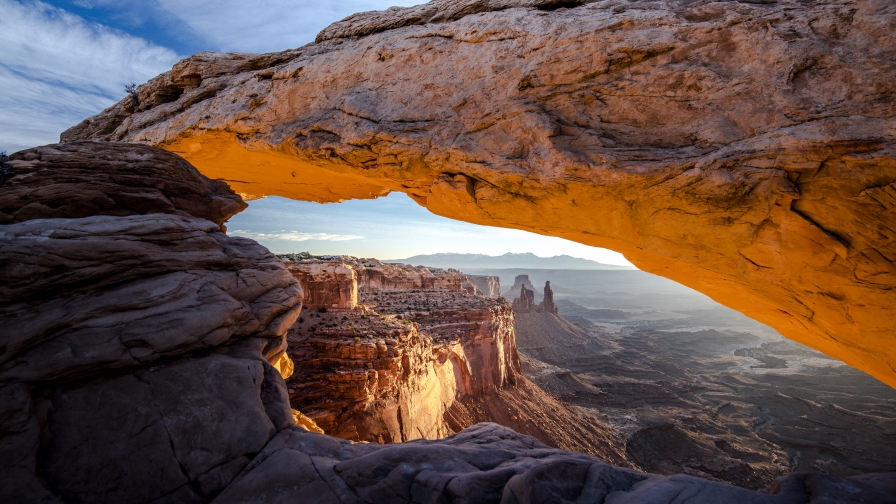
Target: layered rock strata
[83,179]
[136,368]
[363,378]
[331,285]
[138,339]
[388,370]
[745,149]
[423,363]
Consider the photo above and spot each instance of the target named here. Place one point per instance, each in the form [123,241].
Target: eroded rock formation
[745,149]
[488,286]
[548,305]
[363,378]
[526,302]
[331,285]
[138,339]
[423,363]
[138,366]
[519,282]
[82,179]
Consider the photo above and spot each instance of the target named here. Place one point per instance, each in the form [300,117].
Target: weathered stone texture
[389,369]
[137,343]
[83,179]
[86,295]
[137,405]
[492,464]
[745,149]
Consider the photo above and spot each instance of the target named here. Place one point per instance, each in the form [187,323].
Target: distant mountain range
[509,260]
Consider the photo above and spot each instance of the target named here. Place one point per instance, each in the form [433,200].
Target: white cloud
[267,25]
[57,69]
[295,236]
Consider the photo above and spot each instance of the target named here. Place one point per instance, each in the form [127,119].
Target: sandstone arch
[745,150]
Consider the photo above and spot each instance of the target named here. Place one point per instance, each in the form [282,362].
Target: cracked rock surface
[742,148]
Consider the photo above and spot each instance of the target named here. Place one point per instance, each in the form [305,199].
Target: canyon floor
[693,387]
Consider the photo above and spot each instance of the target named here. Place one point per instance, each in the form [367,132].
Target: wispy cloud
[294,236]
[56,69]
[267,25]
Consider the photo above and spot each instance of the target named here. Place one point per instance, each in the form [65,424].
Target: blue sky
[393,227]
[63,61]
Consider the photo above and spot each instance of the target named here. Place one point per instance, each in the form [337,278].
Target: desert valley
[740,154]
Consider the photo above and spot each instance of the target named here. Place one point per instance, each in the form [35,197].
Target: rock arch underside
[744,149]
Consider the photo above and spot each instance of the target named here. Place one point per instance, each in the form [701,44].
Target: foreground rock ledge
[745,149]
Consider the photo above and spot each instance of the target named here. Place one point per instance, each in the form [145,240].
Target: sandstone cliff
[745,149]
[421,363]
[488,286]
[331,285]
[137,367]
[364,378]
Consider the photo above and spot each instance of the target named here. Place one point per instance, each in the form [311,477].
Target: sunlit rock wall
[744,149]
[389,369]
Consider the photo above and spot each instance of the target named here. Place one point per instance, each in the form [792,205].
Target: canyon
[417,356]
[694,388]
[744,149]
[145,354]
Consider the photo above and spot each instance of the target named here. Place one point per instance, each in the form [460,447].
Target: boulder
[138,338]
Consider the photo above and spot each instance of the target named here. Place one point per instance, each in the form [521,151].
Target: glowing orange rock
[744,150]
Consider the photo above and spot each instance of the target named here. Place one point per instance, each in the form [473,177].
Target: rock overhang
[744,150]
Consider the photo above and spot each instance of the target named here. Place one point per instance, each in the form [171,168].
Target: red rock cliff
[387,369]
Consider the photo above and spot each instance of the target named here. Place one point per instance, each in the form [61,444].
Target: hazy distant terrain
[696,387]
[508,260]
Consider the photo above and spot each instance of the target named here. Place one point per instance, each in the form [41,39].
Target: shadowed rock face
[136,367]
[83,179]
[138,339]
[745,149]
